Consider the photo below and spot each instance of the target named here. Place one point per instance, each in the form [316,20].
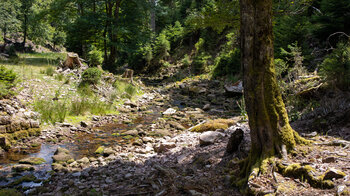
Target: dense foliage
[144,35]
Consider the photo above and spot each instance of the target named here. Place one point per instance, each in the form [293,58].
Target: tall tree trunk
[153,15]
[268,119]
[5,33]
[114,16]
[25,29]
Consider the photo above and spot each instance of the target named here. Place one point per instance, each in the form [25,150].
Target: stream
[83,145]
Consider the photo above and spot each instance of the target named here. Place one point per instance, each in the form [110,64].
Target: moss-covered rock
[100,150]
[32,161]
[22,167]
[213,125]
[26,178]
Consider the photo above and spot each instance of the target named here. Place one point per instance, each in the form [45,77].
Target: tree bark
[268,119]
[153,15]
[25,28]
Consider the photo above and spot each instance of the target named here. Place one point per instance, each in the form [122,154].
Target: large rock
[236,88]
[209,137]
[62,155]
[22,167]
[164,146]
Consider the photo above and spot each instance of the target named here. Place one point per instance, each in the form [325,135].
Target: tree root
[304,173]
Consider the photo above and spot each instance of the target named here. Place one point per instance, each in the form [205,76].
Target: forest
[174,97]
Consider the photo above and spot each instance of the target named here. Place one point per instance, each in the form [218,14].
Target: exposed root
[305,173]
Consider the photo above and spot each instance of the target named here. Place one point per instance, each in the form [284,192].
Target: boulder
[234,89]
[62,155]
[22,167]
[209,137]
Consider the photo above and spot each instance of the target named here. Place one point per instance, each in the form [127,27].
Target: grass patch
[51,110]
[126,90]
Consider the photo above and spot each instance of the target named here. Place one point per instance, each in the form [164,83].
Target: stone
[162,132]
[147,139]
[209,137]
[234,141]
[164,146]
[312,134]
[329,160]
[108,151]
[84,160]
[176,125]
[95,118]
[236,88]
[169,111]
[34,124]
[84,124]
[62,155]
[76,174]
[130,103]
[206,107]
[22,167]
[25,124]
[2,129]
[4,142]
[66,124]
[333,173]
[342,190]
[5,120]
[132,132]
[32,161]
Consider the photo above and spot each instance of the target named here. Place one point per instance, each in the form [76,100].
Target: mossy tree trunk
[268,119]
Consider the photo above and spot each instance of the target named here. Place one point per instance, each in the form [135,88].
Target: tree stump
[72,61]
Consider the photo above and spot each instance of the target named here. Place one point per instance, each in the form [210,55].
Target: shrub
[227,64]
[200,63]
[162,46]
[7,81]
[91,76]
[95,57]
[49,71]
[336,67]
[59,77]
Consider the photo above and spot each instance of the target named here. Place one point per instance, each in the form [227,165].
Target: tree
[271,133]
[8,17]
[26,11]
